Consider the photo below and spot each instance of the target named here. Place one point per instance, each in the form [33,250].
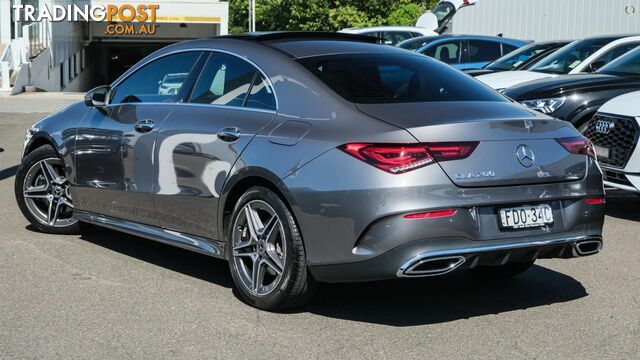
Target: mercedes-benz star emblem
[525,156]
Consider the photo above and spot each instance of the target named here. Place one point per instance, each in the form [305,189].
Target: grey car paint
[349,212]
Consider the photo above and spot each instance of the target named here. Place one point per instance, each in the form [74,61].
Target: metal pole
[252,15]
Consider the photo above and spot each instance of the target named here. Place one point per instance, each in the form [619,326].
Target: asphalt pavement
[109,295]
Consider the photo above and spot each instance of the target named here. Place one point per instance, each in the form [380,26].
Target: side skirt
[190,242]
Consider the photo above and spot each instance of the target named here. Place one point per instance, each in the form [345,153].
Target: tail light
[595,201]
[400,158]
[578,145]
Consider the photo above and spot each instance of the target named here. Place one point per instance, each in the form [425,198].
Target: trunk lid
[516,146]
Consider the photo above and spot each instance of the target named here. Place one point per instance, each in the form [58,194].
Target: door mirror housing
[97,97]
[595,66]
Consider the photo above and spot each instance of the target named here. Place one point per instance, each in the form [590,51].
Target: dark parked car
[520,59]
[577,97]
[304,157]
[462,51]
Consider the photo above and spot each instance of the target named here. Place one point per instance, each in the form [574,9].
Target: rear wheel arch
[239,187]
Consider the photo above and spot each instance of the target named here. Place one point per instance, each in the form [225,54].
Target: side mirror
[97,97]
[595,66]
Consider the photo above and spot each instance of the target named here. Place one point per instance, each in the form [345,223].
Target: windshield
[416,43]
[396,78]
[627,64]
[570,56]
[515,58]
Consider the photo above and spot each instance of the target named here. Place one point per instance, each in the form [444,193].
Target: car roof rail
[301,35]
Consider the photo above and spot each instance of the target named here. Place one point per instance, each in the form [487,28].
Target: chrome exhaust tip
[587,247]
[421,267]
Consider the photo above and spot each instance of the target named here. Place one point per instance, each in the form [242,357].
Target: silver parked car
[305,157]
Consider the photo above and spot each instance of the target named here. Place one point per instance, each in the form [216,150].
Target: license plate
[526,216]
[601,151]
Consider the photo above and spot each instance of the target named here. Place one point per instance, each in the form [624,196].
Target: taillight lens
[595,201]
[431,214]
[578,145]
[400,158]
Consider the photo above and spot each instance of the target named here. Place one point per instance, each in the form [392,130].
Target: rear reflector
[578,145]
[432,214]
[400,158]
[595,201]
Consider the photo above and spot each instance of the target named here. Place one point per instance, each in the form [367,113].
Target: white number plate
[601,151]
[526,216]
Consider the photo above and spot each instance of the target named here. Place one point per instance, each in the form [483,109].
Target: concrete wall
[548,19]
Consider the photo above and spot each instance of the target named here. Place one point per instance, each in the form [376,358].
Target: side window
[448,52]
[224,80]
[375,34]
[158,81]
[261,95]
[483,51]
[395,37]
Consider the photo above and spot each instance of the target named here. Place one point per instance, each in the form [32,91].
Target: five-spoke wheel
[259,249]
[42,191]
[265,252]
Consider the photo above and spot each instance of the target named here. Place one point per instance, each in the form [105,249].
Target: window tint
[224,80]
[372,79]
[261,94]
[448,52]
[394,37]
[483,51]
[613,54]
[627,64]
[158,81]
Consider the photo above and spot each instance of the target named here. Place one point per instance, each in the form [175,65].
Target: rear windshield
[396,78]
[416,43]
[517,57]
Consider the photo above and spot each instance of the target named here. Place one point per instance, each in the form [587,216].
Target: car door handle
[144,126]
[229,134]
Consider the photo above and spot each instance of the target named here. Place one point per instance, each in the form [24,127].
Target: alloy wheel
[46,193]
[259,248]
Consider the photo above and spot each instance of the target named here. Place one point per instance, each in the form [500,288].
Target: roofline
[300,35]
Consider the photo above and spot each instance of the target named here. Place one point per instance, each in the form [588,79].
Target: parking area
[107,294]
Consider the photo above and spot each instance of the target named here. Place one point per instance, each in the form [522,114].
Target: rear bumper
[440,256]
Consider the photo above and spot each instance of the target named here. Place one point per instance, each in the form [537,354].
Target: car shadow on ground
[396,303]
[449,298]
[8,172]
[183,261]
[623,205]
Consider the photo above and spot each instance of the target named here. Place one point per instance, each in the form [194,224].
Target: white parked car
[391,35]
[585,55]
[614,131]
[431,23]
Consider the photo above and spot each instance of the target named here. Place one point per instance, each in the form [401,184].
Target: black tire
[41,153]
[503,271]
[296,284]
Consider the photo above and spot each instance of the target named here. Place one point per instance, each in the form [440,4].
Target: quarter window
[159,81]
[261,94]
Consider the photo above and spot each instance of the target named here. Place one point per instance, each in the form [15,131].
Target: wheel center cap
[261,247]
[58,192]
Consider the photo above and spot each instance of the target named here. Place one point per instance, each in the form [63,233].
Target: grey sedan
[315,157]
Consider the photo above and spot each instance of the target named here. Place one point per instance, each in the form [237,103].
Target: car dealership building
[542,20]
[77,55]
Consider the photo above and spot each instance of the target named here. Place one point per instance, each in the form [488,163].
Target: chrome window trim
[200,105]
[115,84]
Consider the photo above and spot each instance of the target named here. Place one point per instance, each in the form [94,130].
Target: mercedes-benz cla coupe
[306,157]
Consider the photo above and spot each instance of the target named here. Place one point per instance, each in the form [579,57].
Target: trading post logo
[124,19]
